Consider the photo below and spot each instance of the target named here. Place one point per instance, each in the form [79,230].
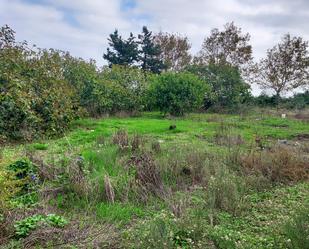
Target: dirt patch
[302,137]
[302,116]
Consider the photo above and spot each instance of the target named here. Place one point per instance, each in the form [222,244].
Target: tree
[176,93]
[286,66]
[122,52]
[227,88]
[149,52]
[229,46]
[125,86]
[174,50]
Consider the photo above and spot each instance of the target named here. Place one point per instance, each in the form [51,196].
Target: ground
[136,182]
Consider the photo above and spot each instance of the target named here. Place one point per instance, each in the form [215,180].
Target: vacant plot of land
[203,181]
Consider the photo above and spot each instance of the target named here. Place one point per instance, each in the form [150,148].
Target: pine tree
[149,52]
[122,52]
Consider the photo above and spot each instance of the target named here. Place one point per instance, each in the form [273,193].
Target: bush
[31,104]
[177,93]
[9,186]
[227,88]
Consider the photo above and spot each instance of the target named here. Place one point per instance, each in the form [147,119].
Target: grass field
[213,181]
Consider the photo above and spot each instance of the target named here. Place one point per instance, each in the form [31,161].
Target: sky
[82,26]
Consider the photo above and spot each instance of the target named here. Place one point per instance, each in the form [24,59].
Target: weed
[225,191]
[109,190]
[25,226]
[279,164]
[297,230]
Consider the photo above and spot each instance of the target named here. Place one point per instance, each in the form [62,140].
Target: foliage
[124,52]
[22,168]
[177,93]
[132,53]
[30,102]
[229,46]
[25,226]
[285,67]
[125,88]
[227,86]
[174,50]
[9,186]
[150,52]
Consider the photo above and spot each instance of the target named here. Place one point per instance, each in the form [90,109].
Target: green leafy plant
[25,226]
[56,220]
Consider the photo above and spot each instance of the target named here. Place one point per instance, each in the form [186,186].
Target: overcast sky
[82,26]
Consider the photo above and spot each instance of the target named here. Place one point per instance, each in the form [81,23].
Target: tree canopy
[285,67]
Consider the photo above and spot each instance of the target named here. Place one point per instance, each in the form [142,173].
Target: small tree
[122,52]
[286,66]
[174,50]
[150,52]
[177,93]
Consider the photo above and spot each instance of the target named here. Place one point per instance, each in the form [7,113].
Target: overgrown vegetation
[153,186]
[87,162]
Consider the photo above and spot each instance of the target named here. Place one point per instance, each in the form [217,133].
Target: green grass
[119,212]
[40,146]
[258,225]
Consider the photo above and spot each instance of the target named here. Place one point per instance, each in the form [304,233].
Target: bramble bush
[35,99]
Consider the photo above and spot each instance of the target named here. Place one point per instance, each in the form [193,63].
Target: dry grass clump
[184,168]
[72,236]
[147,175]
[136,142]
[121,138]
[156,147]
[280,163]
[77,178]
[109,190]
[224,136]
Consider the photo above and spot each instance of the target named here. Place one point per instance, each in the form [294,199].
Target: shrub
[176,93]
[9,186]
[31,104]
[113,90]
